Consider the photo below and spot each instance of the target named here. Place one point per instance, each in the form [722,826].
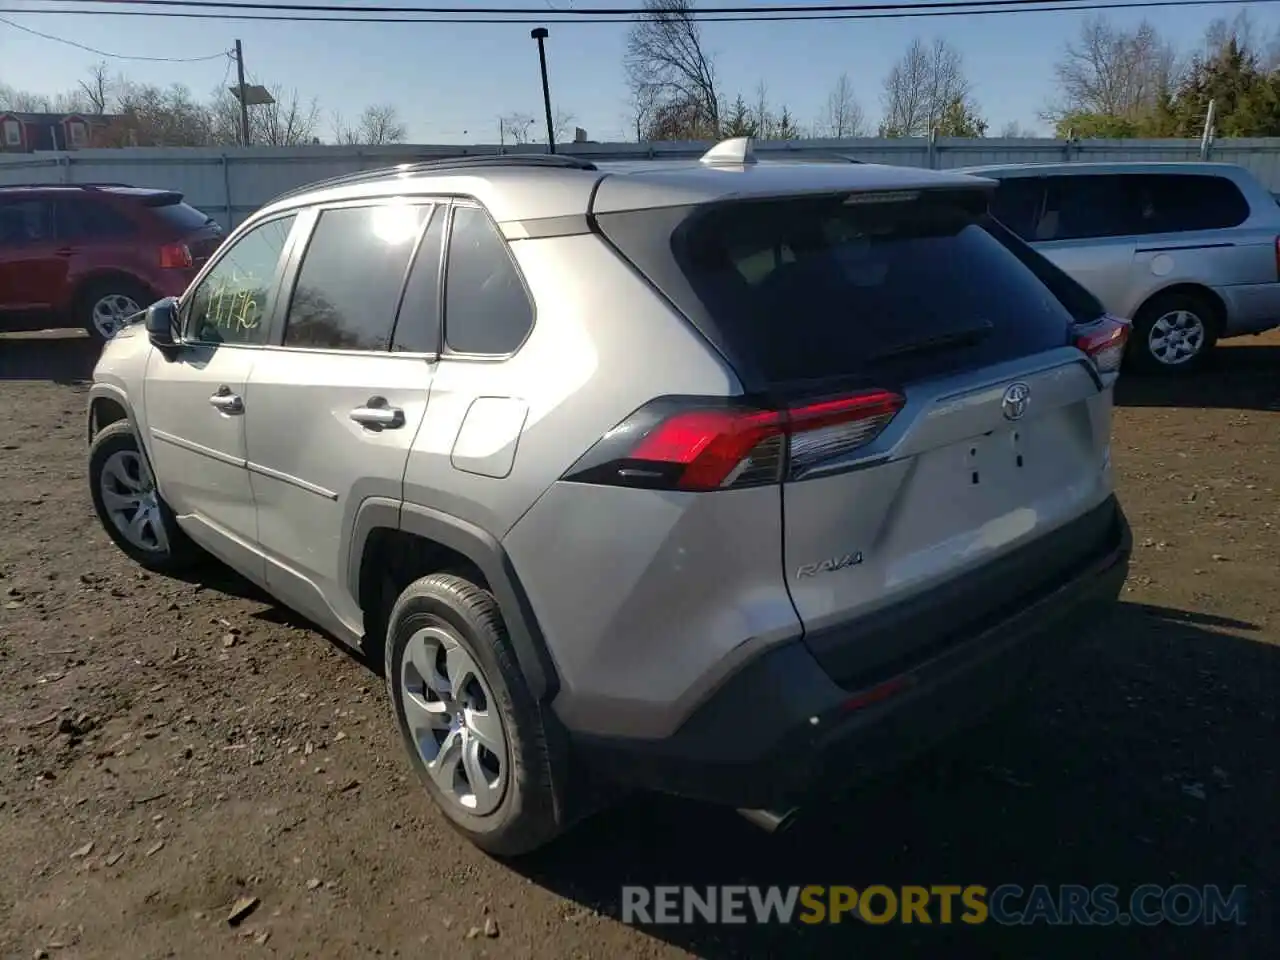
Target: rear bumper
[781,728]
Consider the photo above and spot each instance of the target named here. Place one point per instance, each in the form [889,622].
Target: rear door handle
[65,251]
[376,415]
[224,401]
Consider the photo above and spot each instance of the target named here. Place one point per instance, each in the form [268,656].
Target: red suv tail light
[1104,342]
[175,256]
[703,445]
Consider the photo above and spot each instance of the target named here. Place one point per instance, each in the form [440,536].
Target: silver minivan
[1189,251]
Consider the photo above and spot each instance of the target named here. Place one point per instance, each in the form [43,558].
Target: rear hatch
[946,454]
[199,231]
[180,221]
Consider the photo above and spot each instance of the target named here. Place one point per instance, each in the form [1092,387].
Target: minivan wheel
[1174,333]
[105,306]
[467,718]
[129,505]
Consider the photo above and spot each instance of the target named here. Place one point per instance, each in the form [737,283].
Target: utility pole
[540,34]
[244,96]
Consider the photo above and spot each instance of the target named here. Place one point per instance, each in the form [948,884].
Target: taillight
[175,256]
[701,445]
[1278,258]
[1104,342]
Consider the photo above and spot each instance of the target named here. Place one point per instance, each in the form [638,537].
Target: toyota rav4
[722,478]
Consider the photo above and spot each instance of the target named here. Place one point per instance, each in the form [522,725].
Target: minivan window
[1017,203]
[1092,206]
[487,310]
[352,273]
[813,288]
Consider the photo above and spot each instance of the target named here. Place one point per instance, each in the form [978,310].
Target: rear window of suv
[181,216]
[807,289]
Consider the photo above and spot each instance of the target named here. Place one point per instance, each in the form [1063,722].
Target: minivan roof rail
[559,160]
[61,186]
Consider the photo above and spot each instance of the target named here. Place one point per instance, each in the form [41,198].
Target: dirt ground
[153,771]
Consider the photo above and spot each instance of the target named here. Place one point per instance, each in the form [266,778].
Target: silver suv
[1189,251]
[723,478]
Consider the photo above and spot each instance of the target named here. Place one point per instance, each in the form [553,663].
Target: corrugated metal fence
[229,184]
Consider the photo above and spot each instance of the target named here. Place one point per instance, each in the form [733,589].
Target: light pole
[540,34]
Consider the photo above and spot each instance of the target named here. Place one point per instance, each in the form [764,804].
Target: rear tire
[472,728]
[129,506]
[1174,333]
[104,306]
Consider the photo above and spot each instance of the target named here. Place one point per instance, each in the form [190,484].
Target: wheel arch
[385,529]
[89,281]
[1199,290]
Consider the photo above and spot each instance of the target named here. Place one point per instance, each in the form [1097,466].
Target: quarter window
[233,301]
[351,277]
[487,310]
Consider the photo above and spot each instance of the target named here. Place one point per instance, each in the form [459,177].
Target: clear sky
[450,82]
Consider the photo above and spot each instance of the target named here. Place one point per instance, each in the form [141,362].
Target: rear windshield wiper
[943,341]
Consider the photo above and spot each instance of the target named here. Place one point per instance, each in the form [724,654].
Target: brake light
[1104,342]
[688,444]
[175,256]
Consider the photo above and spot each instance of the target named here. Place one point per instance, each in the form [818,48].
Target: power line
[891,11]
[103,53]
[753,11]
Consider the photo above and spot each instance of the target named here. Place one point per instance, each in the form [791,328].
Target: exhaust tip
[771,821]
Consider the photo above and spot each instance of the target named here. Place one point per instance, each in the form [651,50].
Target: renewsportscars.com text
[973,904]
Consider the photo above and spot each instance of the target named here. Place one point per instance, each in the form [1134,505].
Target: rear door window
[349,284]
[808,289]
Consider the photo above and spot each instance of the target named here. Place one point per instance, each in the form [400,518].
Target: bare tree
[378,125]
[1247,35]
[843,116]
[285,122]
[158,117]
[516,127]
[1013,130]
[97,88]
[668,67]
[563,123]
[23,101]
[762,115]
[922,86]
[1113,72]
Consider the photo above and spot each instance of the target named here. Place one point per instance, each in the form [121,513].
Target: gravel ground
[168,748]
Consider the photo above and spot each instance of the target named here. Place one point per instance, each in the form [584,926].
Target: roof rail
[734,152]
[445,163]
[61,186]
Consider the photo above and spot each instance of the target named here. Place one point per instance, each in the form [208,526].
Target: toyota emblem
[1017,397]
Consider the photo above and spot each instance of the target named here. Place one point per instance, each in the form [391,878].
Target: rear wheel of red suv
[105,305]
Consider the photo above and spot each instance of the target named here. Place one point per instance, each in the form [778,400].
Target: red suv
[93,254]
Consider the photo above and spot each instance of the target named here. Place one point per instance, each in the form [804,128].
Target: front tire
[129,505]
[468,720]
[1173,333]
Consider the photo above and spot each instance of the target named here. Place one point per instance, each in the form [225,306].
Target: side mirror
[162,317]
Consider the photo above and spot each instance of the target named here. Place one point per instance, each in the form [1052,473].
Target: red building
[27,132]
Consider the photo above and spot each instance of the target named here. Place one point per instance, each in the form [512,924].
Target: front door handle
[224,401]
[377,415]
